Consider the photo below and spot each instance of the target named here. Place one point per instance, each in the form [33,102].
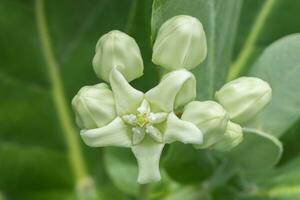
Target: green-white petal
[138,134]
[130,119]
[144,107]
[176,89]
[148,154]
[155,118]
[183,131]
[154,133]
[115,134]
[127,98]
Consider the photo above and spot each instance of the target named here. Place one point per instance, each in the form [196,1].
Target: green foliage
[33,156]
[122,169]
[279,65]
[265,155]
[34,161]
[279,184]
[187,165]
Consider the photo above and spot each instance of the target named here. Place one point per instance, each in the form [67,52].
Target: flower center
[141,119]
[143,123]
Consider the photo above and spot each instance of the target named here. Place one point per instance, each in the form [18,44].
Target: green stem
[240,63]
[143,192]
[60,103]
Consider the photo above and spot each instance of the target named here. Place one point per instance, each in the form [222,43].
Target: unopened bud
[244,97]
[209,117]
[180,43]
[94,106]
[117,49]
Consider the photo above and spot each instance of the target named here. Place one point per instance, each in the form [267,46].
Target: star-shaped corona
[143,122]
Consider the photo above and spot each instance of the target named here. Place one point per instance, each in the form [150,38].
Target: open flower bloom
[142,122]
[122,116]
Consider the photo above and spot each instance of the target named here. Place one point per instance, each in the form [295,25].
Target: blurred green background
[34,159]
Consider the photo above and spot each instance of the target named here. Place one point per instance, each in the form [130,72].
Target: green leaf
[25,168]
[104,192]
[1,196]
[32,150]
[279,23]
[47,195]
[219,19]
[122,169]
[290,139]
[280,184]
[279,65]
[258,151]
[185,164]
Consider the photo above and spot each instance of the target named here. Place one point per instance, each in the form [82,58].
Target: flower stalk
[240,63]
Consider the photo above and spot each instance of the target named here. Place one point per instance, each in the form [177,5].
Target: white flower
[146,122]
[122,116]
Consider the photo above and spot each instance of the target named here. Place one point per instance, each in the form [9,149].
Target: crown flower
[116,114]
[125,117]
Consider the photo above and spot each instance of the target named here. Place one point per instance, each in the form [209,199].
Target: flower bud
[232,137]
[94,106]
[209,117]
[180,43]
[244,97]
[117,49]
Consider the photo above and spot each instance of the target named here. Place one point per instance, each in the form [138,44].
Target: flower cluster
[119,115]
